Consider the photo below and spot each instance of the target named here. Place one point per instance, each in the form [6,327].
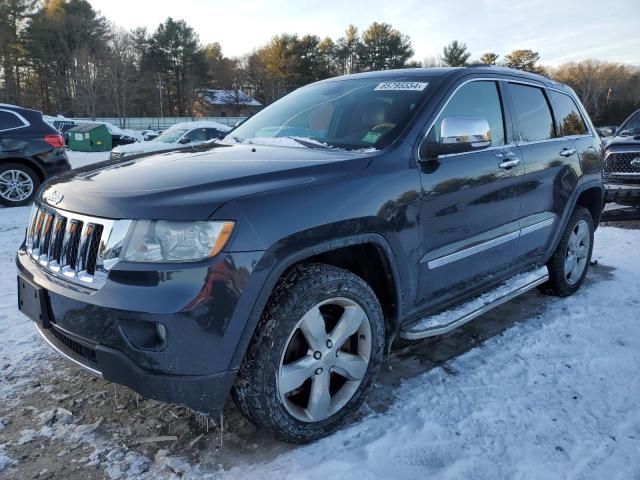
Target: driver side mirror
[458,135]
[185,140]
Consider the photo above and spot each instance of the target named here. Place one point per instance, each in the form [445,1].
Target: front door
[470,204]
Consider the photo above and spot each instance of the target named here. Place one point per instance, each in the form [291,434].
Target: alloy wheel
[325,359]
[577,252]
[15,185]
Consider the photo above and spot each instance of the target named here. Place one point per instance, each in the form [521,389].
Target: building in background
[226,103]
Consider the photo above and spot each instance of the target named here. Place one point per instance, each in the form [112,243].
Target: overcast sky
[560,30]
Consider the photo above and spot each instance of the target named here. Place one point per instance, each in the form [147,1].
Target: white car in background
[180,135]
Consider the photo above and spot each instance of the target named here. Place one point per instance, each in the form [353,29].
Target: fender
[283,264]
[28,162]
[571,205]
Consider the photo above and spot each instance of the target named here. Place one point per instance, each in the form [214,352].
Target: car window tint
[532,117]
[212,133]
[568,117]
[8,121]
[197,135]
[475,99]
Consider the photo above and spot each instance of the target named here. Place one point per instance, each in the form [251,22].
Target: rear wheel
[569,264]
[315,354]
[18,185]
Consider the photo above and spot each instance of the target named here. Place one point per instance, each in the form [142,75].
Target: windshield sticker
[371,137]
[396,86]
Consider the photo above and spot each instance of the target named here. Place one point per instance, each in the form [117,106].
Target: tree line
[63,57]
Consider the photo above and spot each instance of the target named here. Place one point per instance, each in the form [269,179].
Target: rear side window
[568,117]
[475,99]
[9,121]
[212,133]
[532,117]
[197,135]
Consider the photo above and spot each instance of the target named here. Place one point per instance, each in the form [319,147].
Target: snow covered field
[541,388]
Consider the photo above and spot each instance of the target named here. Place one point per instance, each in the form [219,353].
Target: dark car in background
[622,163]
[31,151]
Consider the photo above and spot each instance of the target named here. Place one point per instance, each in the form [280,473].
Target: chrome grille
[622,163]
[76,248]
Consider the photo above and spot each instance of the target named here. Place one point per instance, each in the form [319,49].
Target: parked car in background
[178,136]
[606,131]
[120,136]
[149,135]
[31,151]
[622,163]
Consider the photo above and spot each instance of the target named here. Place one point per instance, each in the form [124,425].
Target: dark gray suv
[31,151]
[277,264]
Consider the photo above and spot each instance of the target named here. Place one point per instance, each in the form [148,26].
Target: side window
[212,133]
[197,135]
[568,117]
[475,99]
[9,121]
[532,117]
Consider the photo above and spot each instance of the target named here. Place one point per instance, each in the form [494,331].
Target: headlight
[175,241]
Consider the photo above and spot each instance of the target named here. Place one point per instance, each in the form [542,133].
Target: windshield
[346,114]
[631,126]
[171,135]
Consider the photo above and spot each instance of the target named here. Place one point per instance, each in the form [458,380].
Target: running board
[451,319]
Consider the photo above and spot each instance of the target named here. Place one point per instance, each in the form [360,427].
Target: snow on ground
[556,395]
[80,159]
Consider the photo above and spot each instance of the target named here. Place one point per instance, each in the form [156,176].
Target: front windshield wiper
[310,144]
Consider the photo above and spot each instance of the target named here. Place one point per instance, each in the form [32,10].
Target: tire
[560,282]
[18,185]
[333,297]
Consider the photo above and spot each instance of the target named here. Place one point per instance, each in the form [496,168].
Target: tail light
[55,140]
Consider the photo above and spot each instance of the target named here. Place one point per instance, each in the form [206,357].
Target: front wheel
[569,264]
[315,354]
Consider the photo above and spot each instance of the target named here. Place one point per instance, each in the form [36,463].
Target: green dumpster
[90,137]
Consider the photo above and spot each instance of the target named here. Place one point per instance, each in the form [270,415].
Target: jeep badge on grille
[53,197]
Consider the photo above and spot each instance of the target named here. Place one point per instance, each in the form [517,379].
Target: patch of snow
[5,461]
[80,159]
[291,142]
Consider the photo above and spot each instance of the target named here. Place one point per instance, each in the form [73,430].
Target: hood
[630,140]
[148,147]
[180,185]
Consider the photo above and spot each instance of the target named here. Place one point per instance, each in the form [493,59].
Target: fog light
[161,331]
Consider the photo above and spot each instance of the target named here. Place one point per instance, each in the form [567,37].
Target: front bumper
[110,331]
[622,193]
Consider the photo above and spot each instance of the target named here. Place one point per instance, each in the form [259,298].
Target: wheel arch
[343,252]
[589,195]
[26,163]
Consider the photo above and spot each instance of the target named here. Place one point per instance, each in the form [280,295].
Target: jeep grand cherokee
[278,264]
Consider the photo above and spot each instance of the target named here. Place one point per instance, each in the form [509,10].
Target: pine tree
[455,54]
[524,60]
[489,58]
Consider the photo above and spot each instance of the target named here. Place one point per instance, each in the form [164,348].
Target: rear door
[551,169]
[571,124]
[470,206]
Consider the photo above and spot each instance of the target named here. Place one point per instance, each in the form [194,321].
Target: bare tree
[120,70]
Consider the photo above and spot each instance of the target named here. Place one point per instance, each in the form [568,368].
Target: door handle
[507,164]
[567,152]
